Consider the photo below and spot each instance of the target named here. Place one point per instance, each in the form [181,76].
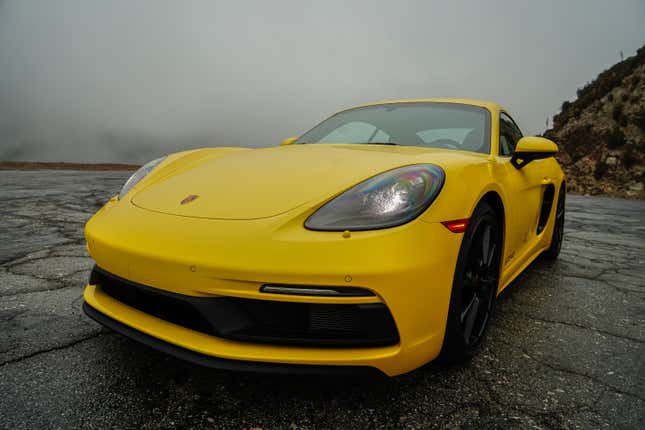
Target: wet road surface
[566,349]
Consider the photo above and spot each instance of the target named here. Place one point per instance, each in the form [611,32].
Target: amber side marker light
[457,225]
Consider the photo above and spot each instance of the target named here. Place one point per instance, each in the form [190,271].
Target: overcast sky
[123,80]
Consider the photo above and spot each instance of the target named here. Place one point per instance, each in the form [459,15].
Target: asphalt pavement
[566,348]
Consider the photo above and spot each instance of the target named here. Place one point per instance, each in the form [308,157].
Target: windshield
[430,125]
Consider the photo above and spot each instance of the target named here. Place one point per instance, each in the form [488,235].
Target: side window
[509,134]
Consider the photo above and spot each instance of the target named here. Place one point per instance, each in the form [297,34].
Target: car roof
[491,106]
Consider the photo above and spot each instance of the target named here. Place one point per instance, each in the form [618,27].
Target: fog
[126,81]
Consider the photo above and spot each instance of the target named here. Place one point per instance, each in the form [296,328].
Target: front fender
[463,189]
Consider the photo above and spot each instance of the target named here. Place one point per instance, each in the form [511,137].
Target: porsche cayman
[379,239]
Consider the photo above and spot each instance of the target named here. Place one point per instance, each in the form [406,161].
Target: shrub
[634,82]
[578,141]
[615,138]
[581,91]
[623,120]
[600,170]
[639,120]
[629,157]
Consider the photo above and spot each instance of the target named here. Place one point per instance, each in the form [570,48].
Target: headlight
[139,175]
[386,200]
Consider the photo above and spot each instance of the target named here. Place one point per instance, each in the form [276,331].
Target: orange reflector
[457,225]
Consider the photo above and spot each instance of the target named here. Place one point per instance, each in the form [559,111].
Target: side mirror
[532,148]
[288,141]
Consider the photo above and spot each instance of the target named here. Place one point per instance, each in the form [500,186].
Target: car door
[524,189]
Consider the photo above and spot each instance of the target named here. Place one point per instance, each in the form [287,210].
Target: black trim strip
[223,363]
[521,159]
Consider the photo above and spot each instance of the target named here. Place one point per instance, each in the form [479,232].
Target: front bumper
[408,268]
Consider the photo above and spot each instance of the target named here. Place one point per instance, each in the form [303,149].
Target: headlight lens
[139,175]
[386,200]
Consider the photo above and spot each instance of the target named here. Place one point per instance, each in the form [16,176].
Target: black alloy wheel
[475,284]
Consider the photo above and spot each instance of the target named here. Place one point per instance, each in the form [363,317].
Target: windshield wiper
[381,143]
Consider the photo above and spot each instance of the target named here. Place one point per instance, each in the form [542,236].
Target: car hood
[261,183]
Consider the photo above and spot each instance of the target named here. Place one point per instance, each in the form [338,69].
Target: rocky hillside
[601,134]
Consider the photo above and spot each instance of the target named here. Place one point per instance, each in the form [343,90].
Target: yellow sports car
[379,239]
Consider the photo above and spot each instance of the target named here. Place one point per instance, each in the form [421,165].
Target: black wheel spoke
[471,316]
[464,313]
[482,325]
[486,243]
[491,254]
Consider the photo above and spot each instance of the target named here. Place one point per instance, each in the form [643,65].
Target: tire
[558,229]
[474,289]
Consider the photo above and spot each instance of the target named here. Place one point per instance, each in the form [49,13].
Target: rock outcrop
[601,134]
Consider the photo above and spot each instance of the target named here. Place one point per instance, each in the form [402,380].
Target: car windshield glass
[430,125]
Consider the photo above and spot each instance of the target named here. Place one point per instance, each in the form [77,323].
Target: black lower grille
[266,321]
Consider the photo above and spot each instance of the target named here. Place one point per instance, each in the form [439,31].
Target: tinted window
[431,125]
[509,134]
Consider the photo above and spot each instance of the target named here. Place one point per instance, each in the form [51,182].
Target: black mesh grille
[333,318]
[267,321]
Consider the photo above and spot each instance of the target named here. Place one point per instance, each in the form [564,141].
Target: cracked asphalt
[566,349]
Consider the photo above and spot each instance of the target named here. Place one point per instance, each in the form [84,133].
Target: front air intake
[259,321]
